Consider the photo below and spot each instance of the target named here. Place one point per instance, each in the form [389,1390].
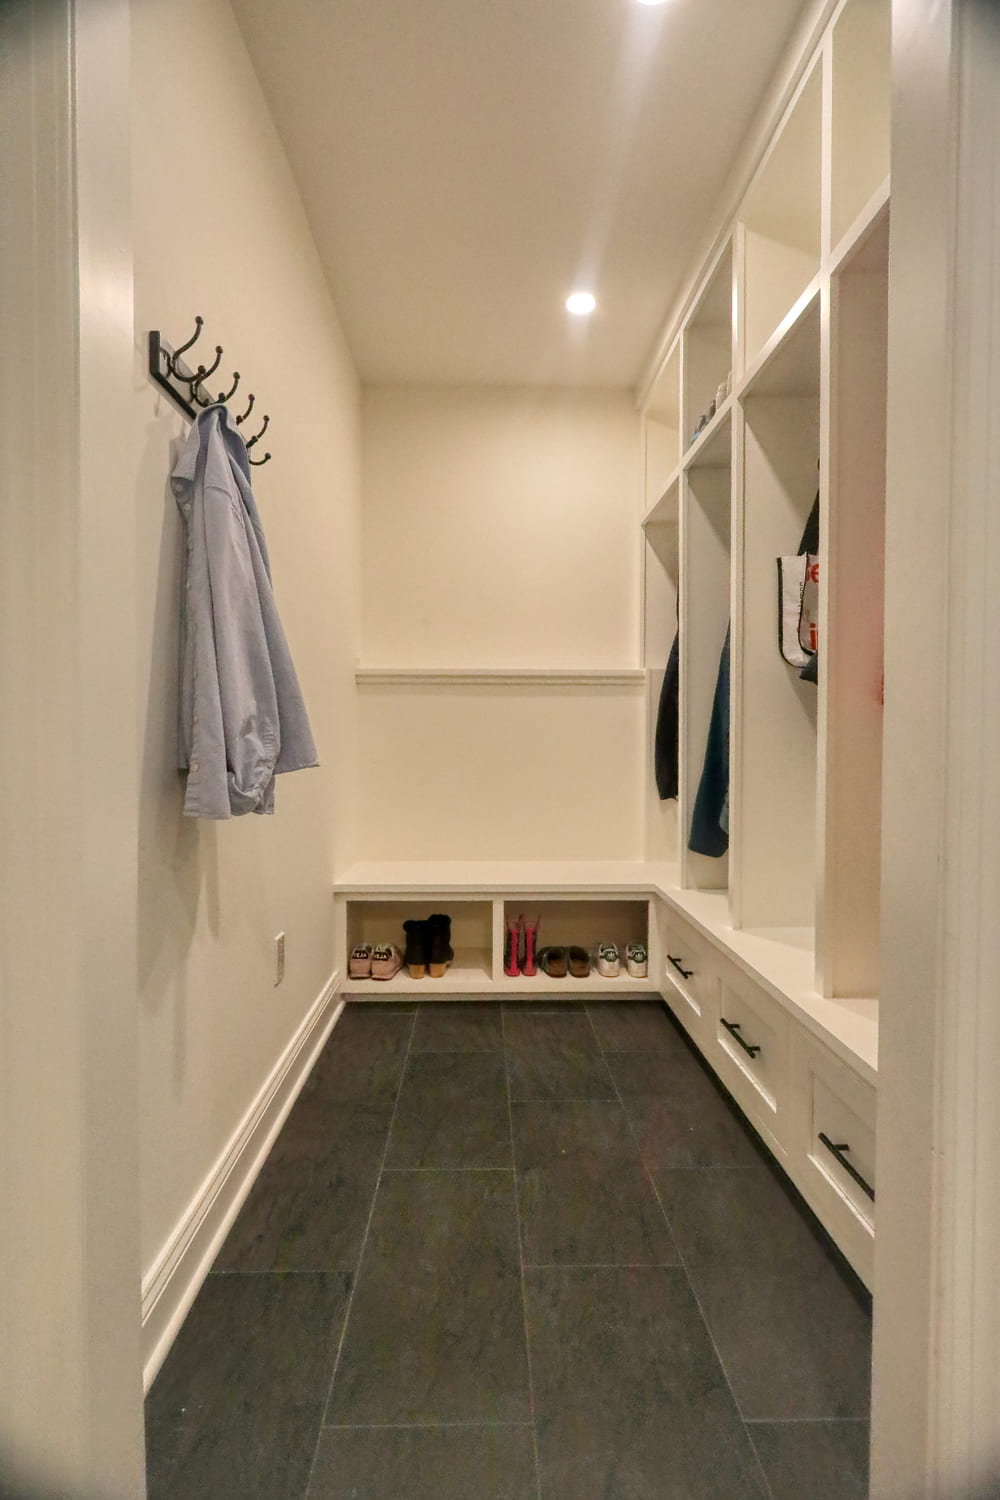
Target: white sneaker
[386,961]
[608,962]
[359,965]
[636,960]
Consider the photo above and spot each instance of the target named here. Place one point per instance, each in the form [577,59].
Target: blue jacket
[242,718]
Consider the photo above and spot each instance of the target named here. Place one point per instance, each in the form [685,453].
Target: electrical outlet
[279,958]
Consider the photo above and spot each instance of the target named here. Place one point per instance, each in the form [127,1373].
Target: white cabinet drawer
[832,1144]
[690,970]
[750,1051]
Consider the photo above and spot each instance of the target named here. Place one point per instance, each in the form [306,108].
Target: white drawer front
[832,1146]
[843,1144]
[751,1051]
[691,973]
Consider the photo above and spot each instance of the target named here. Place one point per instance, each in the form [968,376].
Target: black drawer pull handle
[840,1153]
[686,973]
[733,1027]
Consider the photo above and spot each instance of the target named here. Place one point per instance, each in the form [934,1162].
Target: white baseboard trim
[175,1278]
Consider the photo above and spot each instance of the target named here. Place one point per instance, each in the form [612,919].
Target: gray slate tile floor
[509,1252]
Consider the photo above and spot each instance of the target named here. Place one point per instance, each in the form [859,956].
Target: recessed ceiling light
[581,303]
[651,2]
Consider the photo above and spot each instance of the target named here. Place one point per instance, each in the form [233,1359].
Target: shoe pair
[519,949]
[428,946]
[609,960]
[379,962]
[556,962]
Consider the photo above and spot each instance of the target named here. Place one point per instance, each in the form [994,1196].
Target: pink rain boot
[512,943]
[530,946]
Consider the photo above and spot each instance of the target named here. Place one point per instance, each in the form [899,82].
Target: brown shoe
[579,963]
[553,961]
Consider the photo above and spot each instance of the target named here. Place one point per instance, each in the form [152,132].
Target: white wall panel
[518,772]
[498,528]
[219,231]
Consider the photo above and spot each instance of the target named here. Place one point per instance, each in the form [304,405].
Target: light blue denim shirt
[242,718]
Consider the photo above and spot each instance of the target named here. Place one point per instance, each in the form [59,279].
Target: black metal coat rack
[185,386]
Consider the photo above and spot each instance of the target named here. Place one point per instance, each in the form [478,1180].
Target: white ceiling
[466,163]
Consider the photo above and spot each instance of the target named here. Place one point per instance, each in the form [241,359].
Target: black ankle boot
[439,950]
[415,957]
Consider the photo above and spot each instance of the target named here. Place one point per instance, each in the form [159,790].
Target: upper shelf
[712,448]
[504,877]
[865,246]
[788,365]
[666,507]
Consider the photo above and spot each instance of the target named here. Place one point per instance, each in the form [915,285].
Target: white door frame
[69,1200]
[71,1391]
[936,1412]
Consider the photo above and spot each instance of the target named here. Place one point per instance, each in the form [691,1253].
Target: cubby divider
[848,939]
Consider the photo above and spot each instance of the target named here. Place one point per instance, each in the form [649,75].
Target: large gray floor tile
[739,1217]
[308,1209]
[263,1458]
[452,1112]
[456,1026]
[555,1056]
[665,1071]
[694,1127]
[818,1460]
[236,1409]
[363,1059]
[436,1332]
[552,1006]
[425,1463]
[795,1340]
[632,1026]
[584,1195]
[630,1399]
[374,1002]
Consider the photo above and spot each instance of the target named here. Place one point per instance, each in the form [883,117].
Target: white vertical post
[936,1404]
[71,1394]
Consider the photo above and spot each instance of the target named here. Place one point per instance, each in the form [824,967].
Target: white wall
[513,772]
[219,230]
[499,532]
[499,528]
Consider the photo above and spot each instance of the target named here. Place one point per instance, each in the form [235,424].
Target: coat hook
[201,374]
[258,435]
[259,461]
[248,410]
[224,396]
[173,358]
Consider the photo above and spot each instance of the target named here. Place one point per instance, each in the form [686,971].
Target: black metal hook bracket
[185,386]
[256,439]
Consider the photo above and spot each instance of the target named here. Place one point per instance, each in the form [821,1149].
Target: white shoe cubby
[372,907]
